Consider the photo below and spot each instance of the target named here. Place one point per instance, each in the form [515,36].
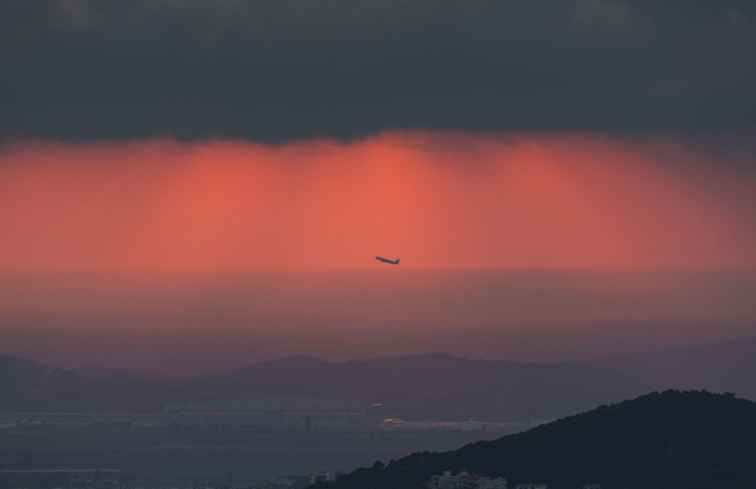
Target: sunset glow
[441,200]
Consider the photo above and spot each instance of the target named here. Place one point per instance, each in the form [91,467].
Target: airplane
[386,260]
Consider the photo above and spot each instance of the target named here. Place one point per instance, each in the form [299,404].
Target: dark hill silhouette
[677,440]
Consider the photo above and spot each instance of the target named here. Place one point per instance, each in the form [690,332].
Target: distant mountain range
[431,386]
[675,440]
[29,385]
[428,386]
[437,385]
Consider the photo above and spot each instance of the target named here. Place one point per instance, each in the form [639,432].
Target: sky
[436,200]
[186,257]
[189,324]
[143,143]
[277,70]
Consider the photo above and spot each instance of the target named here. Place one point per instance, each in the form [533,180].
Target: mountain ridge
[424,386]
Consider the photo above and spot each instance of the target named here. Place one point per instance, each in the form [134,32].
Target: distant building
[465,480]
[531,485]
[447,480]
[323,477]
[488,483]
[288,482]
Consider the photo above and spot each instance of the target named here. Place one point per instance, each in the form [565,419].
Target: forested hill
[672,439]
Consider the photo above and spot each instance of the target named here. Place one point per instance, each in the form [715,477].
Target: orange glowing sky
[435,200]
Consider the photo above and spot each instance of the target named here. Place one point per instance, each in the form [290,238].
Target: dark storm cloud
[282,69]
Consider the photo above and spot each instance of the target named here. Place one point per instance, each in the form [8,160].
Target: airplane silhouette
[386,260]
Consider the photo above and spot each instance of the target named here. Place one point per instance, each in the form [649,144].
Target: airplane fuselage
[387,260]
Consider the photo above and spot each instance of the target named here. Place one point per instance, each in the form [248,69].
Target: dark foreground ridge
[672,439]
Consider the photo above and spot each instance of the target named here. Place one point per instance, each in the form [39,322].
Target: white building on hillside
[465,480]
